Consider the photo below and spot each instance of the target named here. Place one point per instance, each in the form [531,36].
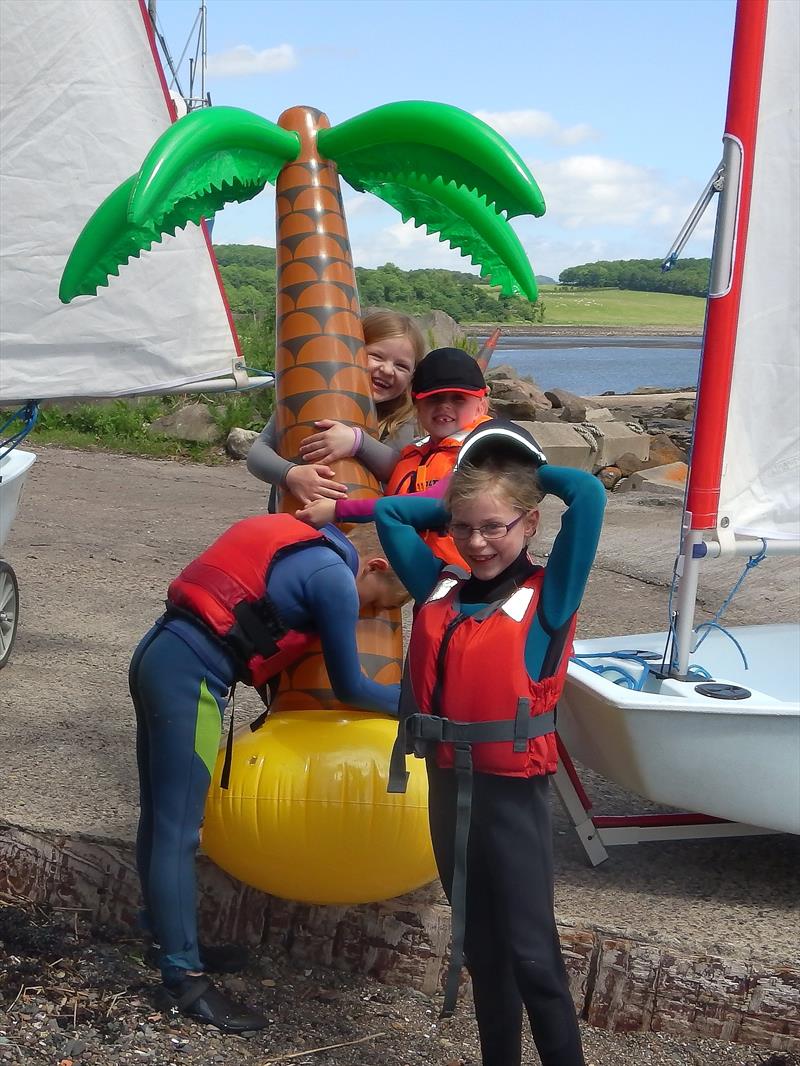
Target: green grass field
[620,307]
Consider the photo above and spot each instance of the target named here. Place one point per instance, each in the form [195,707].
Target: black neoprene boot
[197,998]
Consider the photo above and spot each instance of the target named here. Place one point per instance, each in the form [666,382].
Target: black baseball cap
[447,370]
[499,437]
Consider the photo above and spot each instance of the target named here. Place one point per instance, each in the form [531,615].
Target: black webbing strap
[225,776]
[407,708]
[423,730]
[257,629]
[462,762]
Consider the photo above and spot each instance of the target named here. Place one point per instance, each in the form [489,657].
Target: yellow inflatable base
[307,816]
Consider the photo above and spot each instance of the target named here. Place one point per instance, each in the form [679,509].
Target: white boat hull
[733,759]
[13,469]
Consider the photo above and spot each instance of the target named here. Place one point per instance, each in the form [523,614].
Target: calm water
[590,366]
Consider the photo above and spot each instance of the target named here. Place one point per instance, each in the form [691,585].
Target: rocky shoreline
[531,329]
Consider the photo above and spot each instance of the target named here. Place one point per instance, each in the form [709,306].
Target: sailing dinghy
[708,720]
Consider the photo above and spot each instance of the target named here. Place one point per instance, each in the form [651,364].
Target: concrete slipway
[685,937]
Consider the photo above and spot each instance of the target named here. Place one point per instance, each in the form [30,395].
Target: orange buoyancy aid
[471,669]
[421,465]
[225,589]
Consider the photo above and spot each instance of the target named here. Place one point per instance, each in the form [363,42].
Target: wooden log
[618,982]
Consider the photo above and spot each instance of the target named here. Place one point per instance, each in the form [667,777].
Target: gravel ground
[76,995]
[95,544]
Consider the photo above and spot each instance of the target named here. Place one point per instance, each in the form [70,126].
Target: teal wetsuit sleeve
[332,602]
[571,557]
[399,520]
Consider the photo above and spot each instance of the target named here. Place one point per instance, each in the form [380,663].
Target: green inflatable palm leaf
[106,243]
[431,140]
[212,157]
[465,221]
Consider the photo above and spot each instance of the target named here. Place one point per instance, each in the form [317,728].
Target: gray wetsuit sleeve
[378,457]
[263,460]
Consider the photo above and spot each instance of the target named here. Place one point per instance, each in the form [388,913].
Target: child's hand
[334,441]
[314,482]
[318,513]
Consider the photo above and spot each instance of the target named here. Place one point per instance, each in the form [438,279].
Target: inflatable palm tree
[304,792]
[437,165]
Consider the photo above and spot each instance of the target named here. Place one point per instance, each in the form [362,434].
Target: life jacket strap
[462,760]
[423,730]
[225,776]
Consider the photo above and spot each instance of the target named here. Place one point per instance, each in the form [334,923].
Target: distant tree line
[689,277]
[248,272]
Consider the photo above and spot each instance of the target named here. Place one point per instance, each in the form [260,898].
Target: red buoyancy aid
[225,588]
[422,464]
[472,667]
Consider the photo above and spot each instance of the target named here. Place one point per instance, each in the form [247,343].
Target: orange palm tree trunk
[321,367]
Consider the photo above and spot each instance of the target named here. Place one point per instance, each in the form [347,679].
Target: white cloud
[592,190]
[407,247]
[532,123]
[243,60]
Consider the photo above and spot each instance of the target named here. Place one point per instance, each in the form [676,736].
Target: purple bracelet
[359,438]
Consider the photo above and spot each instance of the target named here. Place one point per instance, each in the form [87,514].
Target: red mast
[722,315]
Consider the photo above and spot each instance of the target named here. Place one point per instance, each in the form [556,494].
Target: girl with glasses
[485,668]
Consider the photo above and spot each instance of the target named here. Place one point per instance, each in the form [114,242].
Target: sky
[617,106]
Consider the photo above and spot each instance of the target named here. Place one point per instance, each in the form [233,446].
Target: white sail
[81,102]
[760,488]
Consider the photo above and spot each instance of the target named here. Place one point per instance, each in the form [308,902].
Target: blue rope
[259,373]
[28,415]
[626,678]
[726,633]
[751,564]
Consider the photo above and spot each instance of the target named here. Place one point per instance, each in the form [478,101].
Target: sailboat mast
[722,315]
[727,269]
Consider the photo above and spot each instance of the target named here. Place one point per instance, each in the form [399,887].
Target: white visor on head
[491,437]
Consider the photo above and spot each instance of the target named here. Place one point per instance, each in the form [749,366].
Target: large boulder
[564,445]
[608,476]
[682,409]
[238,441]
[572,406]
[664,450]
[194,422]
[615,439]
[440,330]
[629,463]
[516,398]
[503,370]
[667,480]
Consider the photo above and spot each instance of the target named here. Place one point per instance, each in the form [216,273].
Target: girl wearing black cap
[485,667]
[449,393]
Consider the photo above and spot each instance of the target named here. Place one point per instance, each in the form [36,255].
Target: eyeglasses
[489,531]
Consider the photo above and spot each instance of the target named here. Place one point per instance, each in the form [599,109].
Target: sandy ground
[95,544]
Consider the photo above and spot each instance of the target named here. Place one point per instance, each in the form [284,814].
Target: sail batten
[82,99]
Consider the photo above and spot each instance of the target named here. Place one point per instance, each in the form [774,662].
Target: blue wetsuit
[180,681]
[511,943]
